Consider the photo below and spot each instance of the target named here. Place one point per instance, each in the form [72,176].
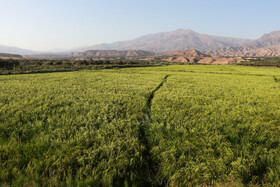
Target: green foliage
[200,125]
[265,61]
[25,66]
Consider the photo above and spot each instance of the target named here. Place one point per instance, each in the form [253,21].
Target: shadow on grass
[34,72]
[130,66]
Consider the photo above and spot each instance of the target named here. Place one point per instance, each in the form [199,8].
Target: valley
[139,93]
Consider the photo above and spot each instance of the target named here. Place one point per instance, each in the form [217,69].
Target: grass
[147,126]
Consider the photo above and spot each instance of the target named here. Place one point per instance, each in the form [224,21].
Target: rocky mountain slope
[193,56]
[188,53]
[245,51]
[267,40]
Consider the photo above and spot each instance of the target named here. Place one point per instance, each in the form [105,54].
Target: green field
[174,125]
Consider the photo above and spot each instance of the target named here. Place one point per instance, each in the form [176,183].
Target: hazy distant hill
[15,50]
[9,55]
[169,41]
[113,53]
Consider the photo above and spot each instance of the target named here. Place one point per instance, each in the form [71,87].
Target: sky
[64,24]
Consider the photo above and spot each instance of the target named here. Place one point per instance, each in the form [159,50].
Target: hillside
[192,56]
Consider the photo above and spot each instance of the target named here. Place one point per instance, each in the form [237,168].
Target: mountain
[179,39]
[15,50]
[267,45]
[113,53]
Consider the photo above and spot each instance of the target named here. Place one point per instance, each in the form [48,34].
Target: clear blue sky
[49,24]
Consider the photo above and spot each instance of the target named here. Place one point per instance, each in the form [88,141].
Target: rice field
[176,125]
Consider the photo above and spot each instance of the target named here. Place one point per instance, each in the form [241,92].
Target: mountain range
[180,39]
